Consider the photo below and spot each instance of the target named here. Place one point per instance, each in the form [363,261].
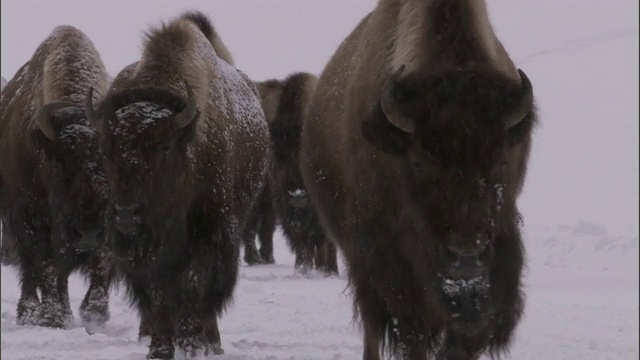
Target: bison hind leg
[251,255]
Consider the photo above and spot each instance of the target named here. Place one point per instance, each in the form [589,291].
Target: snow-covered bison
[414,150]
[186,150]
[284,102]
[52,188]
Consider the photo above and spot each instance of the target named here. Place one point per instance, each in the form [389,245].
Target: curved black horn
[91,113]
[390,106]
[43,118]
[188,114]
[524,103]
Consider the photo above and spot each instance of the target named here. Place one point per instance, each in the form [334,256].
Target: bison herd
[408,153]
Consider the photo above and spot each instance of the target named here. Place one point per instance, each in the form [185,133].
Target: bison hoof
[28,312]
[214,348]
[164,352]
[268,259]
[191,346]
[93,319]
[251,256]
[52,315]
[302,269]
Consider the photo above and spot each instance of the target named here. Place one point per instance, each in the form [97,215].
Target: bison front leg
[265,233]
[371,345]
[326,258]
[63,290]
[28,310]
[190,337]
[52,312]
[163,319]
[94,310]
[304,260]
[251,255]
[212,335]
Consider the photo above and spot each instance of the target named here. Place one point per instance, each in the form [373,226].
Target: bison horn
[524,104]
[43,119]
[186,116]
[390,106]
[91,113]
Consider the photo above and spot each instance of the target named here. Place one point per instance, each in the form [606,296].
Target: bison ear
[384,136]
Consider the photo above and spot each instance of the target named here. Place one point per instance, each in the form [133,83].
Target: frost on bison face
[73,166]
[142,142]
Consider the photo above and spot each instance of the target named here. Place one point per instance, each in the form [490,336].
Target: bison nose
[466,262]
[127,213]
[90,238]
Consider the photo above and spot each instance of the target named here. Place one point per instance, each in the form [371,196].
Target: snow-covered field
[580,202]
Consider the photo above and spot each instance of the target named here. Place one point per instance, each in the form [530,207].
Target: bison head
[145,134]
[461,140]
[73,173]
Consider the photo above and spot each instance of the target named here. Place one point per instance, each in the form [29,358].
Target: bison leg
[161,346]
[63,290]
[304,260]
[156,310]
[28,311]
[212,335]
[51,308]
[146,327]
[251,255]
[326,258]
[94,310]
[371,345]
[265,233]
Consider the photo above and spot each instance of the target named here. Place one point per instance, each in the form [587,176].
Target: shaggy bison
[186,150]
[414,151]
[284,102]
[52,188]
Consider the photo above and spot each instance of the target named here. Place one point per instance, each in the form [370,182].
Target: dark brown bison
[52,188]
[414,150]
[186,150]
[284,102]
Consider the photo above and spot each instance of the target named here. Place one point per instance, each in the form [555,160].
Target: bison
[414,151]
[186,150]
[284,102]
[52,187]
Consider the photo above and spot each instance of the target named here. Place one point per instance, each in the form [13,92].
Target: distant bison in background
[186,151]
[52,188]
[414,151]
[284,103]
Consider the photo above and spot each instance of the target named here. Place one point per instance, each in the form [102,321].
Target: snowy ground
[580,203]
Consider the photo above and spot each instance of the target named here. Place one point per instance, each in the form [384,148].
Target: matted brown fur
[186,188]
[51,187]
[396,201]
